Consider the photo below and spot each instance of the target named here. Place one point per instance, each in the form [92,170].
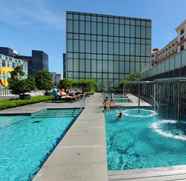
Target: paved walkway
[81,155]
[31,108]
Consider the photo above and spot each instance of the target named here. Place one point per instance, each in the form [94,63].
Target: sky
[40,24]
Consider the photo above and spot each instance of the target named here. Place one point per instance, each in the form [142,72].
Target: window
[122,49]
[110,48]
[122,30]
[110,29]
[127,49]
[116,30]
[94,66]
[148,32]
[99,47]
[87,27]
[104,29]
[138,31]
[126,67]
[69,26]
[104,47]
[70,64]
[182,47]
[82,65]
[126,30]
[99,66]
[93,29]
[99,28]
[76,27]
[182,31]
[76,47]
[110,66]
[69,16]
[82,46]
[69,45]
[82,28]
[87,46]
[93,46]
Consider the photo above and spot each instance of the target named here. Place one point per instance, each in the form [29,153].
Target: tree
[21,87]
[17,73]
[43,80]
[65,84]
[18,84]
[126,83]
[88,85]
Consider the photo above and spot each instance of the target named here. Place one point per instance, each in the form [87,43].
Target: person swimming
[120,115]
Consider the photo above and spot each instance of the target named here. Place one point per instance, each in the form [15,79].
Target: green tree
[21,87]
[127,83]
[88,85]
[43,80]
[17,73]
[65,84]
[18,85]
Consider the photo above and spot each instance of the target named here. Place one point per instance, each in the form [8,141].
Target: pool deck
[81,155]
[174,173]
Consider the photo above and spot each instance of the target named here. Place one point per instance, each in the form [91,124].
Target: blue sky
[40,24]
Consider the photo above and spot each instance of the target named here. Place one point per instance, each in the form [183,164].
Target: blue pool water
[121,99]
[143,141]
[26,141]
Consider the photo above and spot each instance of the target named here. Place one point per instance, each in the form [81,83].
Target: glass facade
[105,48]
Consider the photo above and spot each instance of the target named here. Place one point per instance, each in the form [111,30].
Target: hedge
[4,104]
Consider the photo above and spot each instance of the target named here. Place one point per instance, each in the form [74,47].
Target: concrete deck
[81,155]
[175,173]
[31,108]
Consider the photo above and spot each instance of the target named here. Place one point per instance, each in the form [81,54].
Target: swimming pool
[144,142]
[27,141]
[121,99]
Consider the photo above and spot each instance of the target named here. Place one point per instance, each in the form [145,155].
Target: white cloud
[30,12]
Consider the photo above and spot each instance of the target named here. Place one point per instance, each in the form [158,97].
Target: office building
[55,78]
[105,48]
[39,61]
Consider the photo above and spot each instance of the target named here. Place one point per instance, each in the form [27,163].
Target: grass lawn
[4,104]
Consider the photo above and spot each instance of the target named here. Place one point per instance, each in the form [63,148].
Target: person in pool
[120,115]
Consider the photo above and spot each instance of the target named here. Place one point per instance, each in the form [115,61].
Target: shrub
[4,104]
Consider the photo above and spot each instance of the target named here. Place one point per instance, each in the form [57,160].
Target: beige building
[176,45]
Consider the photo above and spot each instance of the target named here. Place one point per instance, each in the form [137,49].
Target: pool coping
[171,173]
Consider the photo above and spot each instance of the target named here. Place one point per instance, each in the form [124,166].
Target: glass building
[105,48]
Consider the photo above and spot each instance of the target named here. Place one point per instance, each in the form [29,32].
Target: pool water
[121,99]
[27,141]
[144,141]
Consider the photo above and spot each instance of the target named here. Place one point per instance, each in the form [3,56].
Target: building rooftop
[108,15]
